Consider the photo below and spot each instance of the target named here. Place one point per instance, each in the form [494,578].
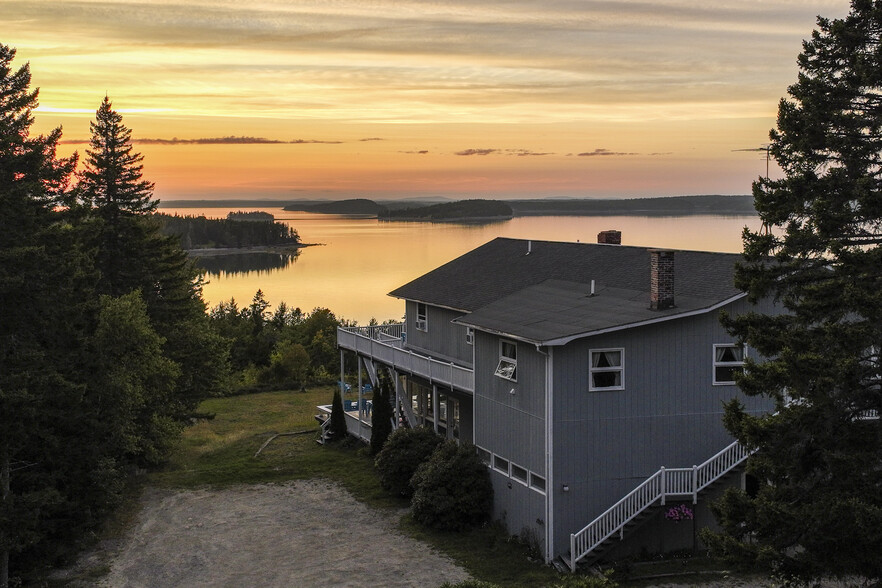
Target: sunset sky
[401,98]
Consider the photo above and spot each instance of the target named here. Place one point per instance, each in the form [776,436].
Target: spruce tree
[36,315]
[819,455]
[382,414]
[132,254]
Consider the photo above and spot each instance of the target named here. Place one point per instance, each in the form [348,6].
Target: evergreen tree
[111,180]
[337,429]
[381,415]
[819,256]
[132,254]
[38,320]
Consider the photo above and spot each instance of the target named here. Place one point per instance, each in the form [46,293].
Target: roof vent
[611,237]
[661,279]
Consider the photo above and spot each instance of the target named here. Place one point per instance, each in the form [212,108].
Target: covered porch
[427,391]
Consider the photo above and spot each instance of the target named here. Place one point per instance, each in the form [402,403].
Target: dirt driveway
[297,534]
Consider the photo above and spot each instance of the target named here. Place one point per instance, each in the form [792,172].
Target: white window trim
[592,370]
[505,361]
[506,470]
[470,336]
[717,364]
[536,488]
[422,321]
[524,482]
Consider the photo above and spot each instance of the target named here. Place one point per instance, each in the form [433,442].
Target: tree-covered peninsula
[235,231]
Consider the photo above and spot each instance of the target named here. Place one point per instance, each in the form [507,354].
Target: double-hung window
[422,321]
[728,360]
[606,369]
[508,360]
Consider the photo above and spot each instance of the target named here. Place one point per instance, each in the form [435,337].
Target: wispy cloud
[212,141]
[604,153]
[420,152]
[372,139]
[467,152]
[314,141]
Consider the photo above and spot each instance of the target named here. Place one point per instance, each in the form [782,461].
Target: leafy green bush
[404,451]
[452,490]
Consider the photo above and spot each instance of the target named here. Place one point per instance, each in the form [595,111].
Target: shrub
[337,428]
[452,490]
[381,415]
[404,451]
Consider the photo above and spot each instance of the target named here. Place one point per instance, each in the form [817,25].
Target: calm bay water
[359,260]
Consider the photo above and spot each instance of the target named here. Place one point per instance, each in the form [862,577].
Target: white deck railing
[378,343]
[659,486]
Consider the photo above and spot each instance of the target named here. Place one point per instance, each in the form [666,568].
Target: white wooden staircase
[665,483]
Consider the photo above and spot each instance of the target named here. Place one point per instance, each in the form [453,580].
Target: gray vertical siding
[513,427]
[443,339]
[669,414]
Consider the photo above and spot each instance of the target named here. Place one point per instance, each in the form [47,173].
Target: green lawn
[221,452]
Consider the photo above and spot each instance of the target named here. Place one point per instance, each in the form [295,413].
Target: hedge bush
[452,490]
[404,451]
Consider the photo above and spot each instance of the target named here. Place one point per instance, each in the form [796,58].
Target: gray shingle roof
[543,295]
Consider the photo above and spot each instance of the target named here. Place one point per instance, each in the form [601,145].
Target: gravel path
[302,534]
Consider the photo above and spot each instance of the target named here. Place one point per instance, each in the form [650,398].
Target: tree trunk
[4,494]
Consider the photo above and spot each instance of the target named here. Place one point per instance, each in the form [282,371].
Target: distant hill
[669,206]
[462,210]
[351,206]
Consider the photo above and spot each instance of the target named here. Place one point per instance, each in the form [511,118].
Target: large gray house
[591,377]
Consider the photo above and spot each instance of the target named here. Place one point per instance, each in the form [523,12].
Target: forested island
[351,206]
[238,230]
[459,211]
[255,216]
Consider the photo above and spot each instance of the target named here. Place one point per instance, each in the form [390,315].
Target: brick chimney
[661,279]
[610,237]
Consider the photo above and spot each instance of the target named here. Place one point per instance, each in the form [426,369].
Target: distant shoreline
[411,210]
[216,251]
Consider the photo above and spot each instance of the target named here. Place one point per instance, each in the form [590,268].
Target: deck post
[694,484]
[662,484]
[435,408]
[360,400]
[397,400]
[342,384]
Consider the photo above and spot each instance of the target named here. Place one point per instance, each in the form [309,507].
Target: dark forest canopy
[255,216]
[199,232]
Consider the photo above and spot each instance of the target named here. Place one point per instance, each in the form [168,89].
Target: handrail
[658,486]
[360,340]
[388,332]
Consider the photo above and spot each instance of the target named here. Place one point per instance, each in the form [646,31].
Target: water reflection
[362,258]
[258,263]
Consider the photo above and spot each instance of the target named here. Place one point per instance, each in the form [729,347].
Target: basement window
[508,360]
[728,361]
[537,482]
[519,473]
[606,369]
[500,464]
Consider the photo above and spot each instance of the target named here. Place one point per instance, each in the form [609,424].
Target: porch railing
[662,484]
[378,343]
